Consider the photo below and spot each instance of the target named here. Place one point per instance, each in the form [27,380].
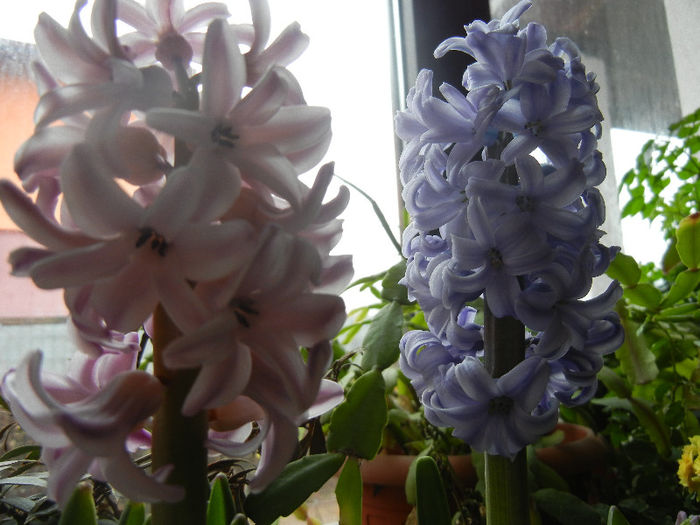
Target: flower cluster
[500,184]
[164,170]
[689,465]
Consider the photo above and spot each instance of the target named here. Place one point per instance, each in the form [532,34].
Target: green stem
[506,480]
[178,440]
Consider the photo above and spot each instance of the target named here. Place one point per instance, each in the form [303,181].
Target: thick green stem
[178,440]
[506,480]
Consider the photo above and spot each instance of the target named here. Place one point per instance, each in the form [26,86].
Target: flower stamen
[224,136]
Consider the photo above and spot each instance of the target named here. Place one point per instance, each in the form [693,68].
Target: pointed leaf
[688,238]
[357,424]
[682,287]
[624,269]
[431,500]
[293,486]
[637,360]
[565,507]
[134,514]
[615,517]
[381,344]
[348,492]
[80,508]
[643,294]
[655,428]
[392,290]
[221,508]
[239,519]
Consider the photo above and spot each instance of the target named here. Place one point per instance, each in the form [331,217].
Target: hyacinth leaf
[80,508]
[239,519]
[381,344]
[644,294]
[637,360]
[348,493]
[655,428]
[615,517]
[431,499]
[682,287]
[625,269]
[366,402]
[410,485]
[614,382]
[543,475]
[392,290]
[221,508]
[293,486]
[134,514]
[565,507]
[688,239]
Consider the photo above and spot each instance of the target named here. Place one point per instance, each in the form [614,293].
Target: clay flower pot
[384,500]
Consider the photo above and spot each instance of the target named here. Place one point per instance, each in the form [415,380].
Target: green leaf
[391,289]
[239,519]
[221,509]
[615,517]
[28,451]
[134,514]
[381,344]
[348,493]
[688,238]
[35,480]
[657,431]
[410,485]
[357,424]
[614,382]
[636,359]
[682,287]
[624,269]
[565,507]
[643,294]
[293,486]
[80,508]
[431,501]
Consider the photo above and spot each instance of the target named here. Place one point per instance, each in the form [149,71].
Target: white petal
[96,202]
[223,70]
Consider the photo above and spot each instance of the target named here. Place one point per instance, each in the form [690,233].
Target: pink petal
[264,163]
[126,300]
[263,101]
[292,128]
[201,14]
[46,149]
[79,266]
[56,48]
[218,383]
[66,472]
[135,484]
[260,11]
[183,306]
[29,218]
[223,70]
[211,251]
[330,395]
[96,202]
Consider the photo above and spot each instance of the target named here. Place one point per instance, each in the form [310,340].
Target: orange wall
[17,101]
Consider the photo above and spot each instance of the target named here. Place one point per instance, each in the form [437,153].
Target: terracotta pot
[384,477]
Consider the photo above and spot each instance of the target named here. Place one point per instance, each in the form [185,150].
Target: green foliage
[295,484]
[221,508]
[365,402]
[80,508]
[651,395]
[662,163]
[348,492]
[431,500]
